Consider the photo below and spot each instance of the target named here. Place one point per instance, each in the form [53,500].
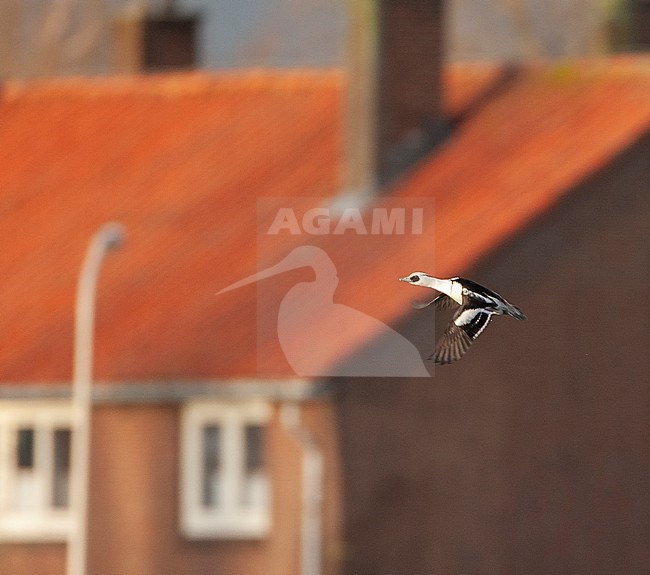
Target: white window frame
[229,520]
[43,522]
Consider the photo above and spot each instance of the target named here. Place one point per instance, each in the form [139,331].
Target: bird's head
[417,279]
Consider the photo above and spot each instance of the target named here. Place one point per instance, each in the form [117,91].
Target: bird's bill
[266,273]
[406,279]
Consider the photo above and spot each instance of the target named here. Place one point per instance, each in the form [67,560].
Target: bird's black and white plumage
[477,305]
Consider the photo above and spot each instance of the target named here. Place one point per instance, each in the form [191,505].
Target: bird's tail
[515,312]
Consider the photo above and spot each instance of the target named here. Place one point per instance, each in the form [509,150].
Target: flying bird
[477,306]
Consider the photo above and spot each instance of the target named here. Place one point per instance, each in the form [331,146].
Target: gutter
[312,489]
[174,391]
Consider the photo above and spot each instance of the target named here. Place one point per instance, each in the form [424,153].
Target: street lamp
[108,237]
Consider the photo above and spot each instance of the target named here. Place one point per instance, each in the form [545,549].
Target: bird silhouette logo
[309,319]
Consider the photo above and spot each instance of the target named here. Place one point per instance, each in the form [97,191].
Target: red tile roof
[547,130]
[182,161]
[527,147]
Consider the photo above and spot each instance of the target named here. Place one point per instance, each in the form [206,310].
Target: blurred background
[149,425]
[40,37]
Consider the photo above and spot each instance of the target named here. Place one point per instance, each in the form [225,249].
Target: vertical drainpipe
[107,238]
[312,490]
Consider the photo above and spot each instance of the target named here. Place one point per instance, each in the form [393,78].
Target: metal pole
[108,237]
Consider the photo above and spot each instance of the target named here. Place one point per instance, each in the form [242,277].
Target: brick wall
[530,454]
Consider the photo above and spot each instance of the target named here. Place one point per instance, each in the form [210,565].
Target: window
[225,491]
[35,442]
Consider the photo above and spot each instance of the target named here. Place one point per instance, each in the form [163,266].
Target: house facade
[219,451]
[209,452]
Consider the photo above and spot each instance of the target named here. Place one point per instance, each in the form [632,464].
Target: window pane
[254,452]
[61,472]
[254,492]
[25,449]
[211,466]
[25,488]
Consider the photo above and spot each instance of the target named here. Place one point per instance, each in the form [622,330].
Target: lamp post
[110,236]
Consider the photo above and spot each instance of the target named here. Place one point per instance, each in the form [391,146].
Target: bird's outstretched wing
[440,302]
[466,326]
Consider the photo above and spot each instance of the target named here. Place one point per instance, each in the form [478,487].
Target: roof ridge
[196,82]
[637,62]
[170,85]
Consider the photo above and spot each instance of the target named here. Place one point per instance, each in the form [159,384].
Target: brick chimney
[393,111]
[640,25]
[150,41]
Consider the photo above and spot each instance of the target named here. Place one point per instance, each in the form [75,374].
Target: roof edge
[176,391]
